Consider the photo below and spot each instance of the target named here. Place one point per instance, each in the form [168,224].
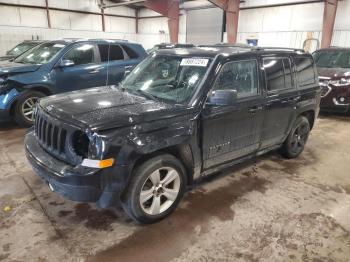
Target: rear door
[113,61]
[230,132]
[281,98]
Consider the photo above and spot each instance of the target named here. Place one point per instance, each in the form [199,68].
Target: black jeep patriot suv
[179,115]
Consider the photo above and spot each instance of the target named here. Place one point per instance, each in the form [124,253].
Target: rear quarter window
[305,71]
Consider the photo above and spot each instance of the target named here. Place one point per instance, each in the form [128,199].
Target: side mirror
[8,52]
[223,97]
[66,63]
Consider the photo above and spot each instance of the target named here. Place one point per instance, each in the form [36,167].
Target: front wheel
[297,138]
[24,108]
[155,189]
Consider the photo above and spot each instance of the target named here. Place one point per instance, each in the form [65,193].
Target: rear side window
[115,52]
[240,76]
[103,52]
[305,71]
[278,73]
[131,53]
[274,71]
[80,55]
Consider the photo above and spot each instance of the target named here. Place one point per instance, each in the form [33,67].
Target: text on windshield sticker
[194,62]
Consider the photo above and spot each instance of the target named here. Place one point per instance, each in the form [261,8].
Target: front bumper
[331,100]
[74,183]
[4,115]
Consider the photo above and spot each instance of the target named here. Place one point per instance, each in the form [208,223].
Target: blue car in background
[61,66]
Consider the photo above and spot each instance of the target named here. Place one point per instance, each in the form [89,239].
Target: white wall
[286,26]
[155,30]
[289,26]
[22,23]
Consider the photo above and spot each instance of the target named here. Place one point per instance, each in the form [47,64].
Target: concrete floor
[269,209]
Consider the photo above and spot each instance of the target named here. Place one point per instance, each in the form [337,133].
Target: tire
[297,138]
[22,107]
[156,203]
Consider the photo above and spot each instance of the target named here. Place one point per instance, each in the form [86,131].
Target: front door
[281,99]
[231,132]
[83,73]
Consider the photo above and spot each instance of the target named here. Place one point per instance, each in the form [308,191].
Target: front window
[40,54]
[333,59]
[81,54]
[241,76]
[170,78]
[20,49]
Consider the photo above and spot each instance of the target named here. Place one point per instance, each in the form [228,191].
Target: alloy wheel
[299,138]
[28,107]
[160,190]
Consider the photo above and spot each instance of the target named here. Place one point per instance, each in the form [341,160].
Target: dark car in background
[333,65]
[177,117]
[61,66]
[20,49]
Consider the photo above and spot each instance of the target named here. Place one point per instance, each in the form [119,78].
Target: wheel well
[181,152]
[310,115]
[41,89]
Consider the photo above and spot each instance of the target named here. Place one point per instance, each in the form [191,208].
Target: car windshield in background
[21,48]
[40,54]
[332,59]
[170,78]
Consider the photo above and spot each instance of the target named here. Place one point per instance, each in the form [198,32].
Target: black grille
[51,135]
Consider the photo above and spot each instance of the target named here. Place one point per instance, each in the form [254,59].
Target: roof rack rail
[259,48]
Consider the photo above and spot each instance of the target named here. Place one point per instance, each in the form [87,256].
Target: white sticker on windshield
[194,62]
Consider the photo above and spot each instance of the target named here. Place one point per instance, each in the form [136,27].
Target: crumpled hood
[107,107]
[8,68]
[333,73]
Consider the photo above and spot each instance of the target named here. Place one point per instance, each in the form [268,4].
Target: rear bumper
[74,183]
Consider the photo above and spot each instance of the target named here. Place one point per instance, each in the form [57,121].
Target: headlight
[341,82]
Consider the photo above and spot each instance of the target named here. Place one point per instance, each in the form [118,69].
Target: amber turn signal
[98,163]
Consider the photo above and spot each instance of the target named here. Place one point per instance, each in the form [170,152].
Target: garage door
[204,26]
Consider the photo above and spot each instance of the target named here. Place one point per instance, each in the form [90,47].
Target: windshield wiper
[146,94]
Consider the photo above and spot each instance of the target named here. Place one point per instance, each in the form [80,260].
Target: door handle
[254,109]
[128,69]
[95,71]
[296,99]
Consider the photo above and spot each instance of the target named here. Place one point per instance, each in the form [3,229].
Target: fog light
[342,99]
[98,163]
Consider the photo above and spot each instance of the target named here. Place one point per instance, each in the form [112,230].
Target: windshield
[40,54]
[333,58]
[20,49]
[170,78]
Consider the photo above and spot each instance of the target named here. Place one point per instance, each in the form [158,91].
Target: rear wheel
[155,189]
[297,138]
[24,108]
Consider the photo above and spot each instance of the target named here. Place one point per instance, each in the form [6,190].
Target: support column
[329,13]
[232,15]
[231,8]
[136,21]
[170,9]
[48,13]
[103,18]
